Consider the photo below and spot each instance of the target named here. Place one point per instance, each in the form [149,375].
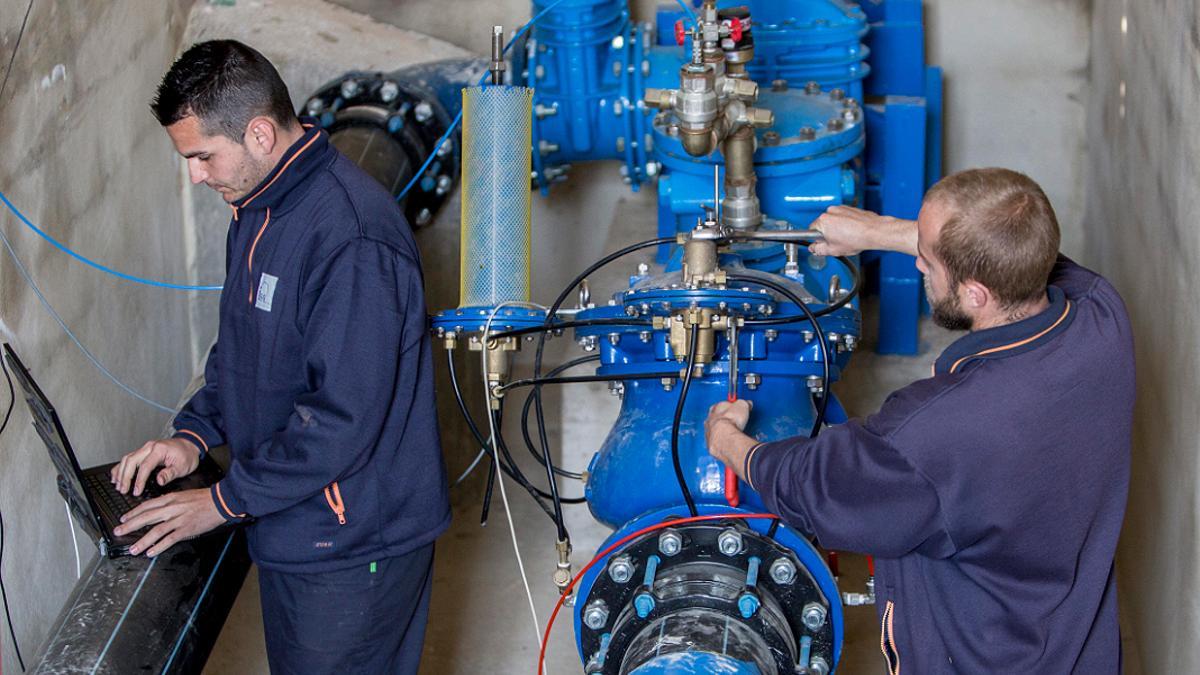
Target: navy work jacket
[991,494]
[321,380]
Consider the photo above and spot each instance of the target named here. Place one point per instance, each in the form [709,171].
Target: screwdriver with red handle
[731,479]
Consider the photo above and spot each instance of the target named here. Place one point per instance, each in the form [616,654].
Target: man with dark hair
[321,381]
[992,493]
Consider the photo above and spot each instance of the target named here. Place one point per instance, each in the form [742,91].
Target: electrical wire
[92,263]
[496,458]
[675,522]
[616,377]
[510,468]
[583,323]
[74,542]
[12,633]
[539,412]
[855,273]
[62,324]
[458,118]
[688,10]
[693,345]
[818,332]
[529,444]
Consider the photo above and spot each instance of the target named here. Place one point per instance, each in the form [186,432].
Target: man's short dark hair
[225,84]
[1001,232]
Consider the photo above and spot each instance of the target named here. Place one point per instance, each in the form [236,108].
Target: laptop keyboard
[110,499]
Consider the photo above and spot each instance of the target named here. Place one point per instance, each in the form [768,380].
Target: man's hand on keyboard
[172,518]
[177,457]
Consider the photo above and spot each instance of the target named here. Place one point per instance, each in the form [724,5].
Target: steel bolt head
[730,542]
[349,88]
[315,106]
[620,569]
[812,88]
[423,111]
[783,572]
[818,666]
[595,615]
[779,85]
[837,94]
[771,138]
[807,133]
[388,91]
[813,616]
[670,542]
[424,217]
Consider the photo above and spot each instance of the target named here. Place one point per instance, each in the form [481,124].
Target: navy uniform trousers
[367,619]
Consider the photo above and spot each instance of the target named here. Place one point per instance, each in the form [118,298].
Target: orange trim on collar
[280,172]
[250,258]
[1014,345]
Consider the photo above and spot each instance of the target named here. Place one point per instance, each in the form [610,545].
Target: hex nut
[595,616]
[783,572]
[813,616]
[620,569]
[730,542]
[670,542]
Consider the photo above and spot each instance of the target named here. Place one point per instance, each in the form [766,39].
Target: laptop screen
[48,426]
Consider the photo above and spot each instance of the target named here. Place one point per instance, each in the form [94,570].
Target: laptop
[90,492]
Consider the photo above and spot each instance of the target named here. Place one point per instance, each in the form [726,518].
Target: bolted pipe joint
[783,572]
[620,569]
[730,542]
[595,615]
[748,602]
[670,542]
[813,616]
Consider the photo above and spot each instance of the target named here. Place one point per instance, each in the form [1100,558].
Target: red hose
[621,542]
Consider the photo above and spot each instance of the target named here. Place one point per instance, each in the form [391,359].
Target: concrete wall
[1142,204]
[83,156]
[1016,89]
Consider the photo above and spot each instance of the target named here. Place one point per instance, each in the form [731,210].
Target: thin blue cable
[687,9]
[62,324]
[458,118]
[91,263]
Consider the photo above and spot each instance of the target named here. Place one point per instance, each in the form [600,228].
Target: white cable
[74,543]
[487,392]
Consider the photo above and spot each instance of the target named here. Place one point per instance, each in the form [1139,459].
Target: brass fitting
[562,574]
[498,361]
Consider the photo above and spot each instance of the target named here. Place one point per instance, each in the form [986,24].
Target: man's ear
[261,135]
[975,295]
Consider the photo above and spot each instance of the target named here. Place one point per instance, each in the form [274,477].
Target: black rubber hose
[529,444]
[540,414]
[817,331]
[693,345]
[487,495]
[541,381]
[485,445]
[616,321]
[855,273]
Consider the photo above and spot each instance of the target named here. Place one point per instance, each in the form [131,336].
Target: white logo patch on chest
[266,292]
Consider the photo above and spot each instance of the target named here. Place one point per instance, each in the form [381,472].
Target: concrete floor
[480,619]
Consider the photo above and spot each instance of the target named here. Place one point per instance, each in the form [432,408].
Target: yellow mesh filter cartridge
[496,196]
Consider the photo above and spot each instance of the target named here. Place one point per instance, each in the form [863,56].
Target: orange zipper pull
[334,497]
